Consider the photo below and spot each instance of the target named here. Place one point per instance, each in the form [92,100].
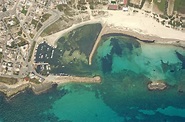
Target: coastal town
[25,24]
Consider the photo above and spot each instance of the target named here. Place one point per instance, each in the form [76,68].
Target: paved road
[55,16]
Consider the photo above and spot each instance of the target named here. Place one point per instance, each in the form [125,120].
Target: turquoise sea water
[126,67]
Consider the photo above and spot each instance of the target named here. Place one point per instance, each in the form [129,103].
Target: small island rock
[157,85]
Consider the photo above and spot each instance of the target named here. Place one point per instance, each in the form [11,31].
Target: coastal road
[55,16]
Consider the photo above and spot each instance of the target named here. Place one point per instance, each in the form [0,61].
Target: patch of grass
[39,25]
[9,81]
[61,7]
[20,32]
[23,42]
[66,9]
[161,5]
[16,20]
[34,80]
[1,55]
[34,22]
[4,9]
[183,25]
[59,25]
[149,1]
[45,17]
[24,11]
[31,35]
[179,6]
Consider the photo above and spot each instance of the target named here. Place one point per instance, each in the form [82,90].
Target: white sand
[137,22]
[141,23]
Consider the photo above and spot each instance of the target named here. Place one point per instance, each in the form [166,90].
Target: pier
[96,44]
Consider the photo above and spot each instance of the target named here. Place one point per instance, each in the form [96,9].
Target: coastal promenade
[96,43]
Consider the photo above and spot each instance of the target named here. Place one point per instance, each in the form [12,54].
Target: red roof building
[113,7]
[125,2]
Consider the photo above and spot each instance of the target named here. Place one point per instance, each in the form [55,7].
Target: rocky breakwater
[10,90]
[157,85]
[50,81]
[66,79]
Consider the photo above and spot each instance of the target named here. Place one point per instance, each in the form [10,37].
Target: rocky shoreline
[11,90]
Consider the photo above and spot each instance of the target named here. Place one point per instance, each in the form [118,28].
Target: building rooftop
[113,7]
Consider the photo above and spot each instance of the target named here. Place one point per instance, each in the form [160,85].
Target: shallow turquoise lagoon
[126,66]
[157,62]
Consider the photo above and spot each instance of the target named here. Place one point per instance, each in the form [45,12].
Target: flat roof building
[113,7]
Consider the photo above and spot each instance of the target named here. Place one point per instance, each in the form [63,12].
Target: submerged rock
[157,85]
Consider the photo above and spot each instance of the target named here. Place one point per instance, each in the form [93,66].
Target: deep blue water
[126,66]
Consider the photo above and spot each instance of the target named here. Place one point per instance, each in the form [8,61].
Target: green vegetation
[81,7]
[22,42]
[34,80]
[24,11]
[175,23]
[31,35]
[31,50]
[61,7]
[149,1]
[39,25]
[66,9]
[16,20]
[9,81]
[20,32]
[136,6]
[1,55]
[13,45]
[161,5]
[59,25]
[179,6]
[163,16]
[16,73]
[45,17]
[183,25]
[34,22]
[4,9]
[91,6]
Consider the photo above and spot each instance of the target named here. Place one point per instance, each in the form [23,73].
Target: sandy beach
[140,25]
